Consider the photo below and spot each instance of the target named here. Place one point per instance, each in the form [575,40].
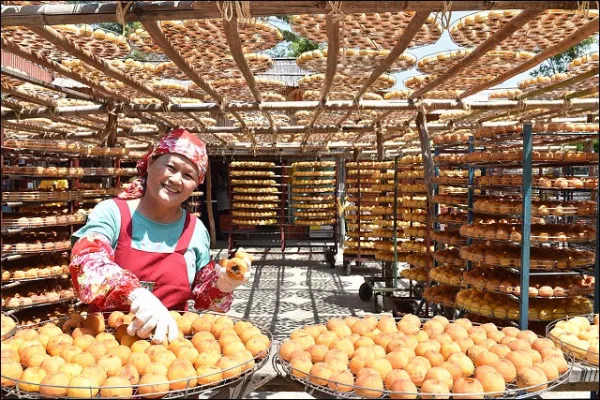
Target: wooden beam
[163,42]
[32,98]
[30,79]
[490,43]
[42,61]
[109,134]
[60,41]
[413,27]
[56,14]
[559,85]
[237,52]
[429,170]
[90,126]
[583,93]
[381,105]
[203,125]
[209,208]
[31,128]
[582,33]
[333,50]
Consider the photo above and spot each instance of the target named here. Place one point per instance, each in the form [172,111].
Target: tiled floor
[287,291]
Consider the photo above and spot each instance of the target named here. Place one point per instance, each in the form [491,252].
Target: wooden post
[379,134]
[429,172]
[209,209]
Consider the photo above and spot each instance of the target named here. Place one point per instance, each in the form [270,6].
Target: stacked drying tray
[44,205]
[256,193]
[369,191]
[561,233]
[313,193]
[451,211]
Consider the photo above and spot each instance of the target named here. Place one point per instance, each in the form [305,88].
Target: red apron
[168,271]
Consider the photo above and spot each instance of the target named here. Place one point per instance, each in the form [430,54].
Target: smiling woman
[144,253]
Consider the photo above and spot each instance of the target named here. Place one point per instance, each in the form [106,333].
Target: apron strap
[126,230]
[186,235]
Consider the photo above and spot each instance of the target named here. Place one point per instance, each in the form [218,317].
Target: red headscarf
[178,141]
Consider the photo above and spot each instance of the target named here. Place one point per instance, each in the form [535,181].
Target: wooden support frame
[560,85]
[51,14]
[60,41]
[23,126]
[302,105]
[29,79]
[36,58]
[32,98]
[500,35]
[153,28]
[582,33]
[237,52]
[408,35]
[410,32]
[333,50]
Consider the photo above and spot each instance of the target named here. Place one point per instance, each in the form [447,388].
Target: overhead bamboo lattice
[347,99]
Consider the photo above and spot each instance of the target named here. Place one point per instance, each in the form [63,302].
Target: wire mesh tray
[12,331]
[259,361]
[578,352]
[8,224]
[343,390]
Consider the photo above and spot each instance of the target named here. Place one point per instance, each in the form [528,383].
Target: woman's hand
[151,314]
[234,272]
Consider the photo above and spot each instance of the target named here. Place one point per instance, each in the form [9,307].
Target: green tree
[293,45]
[560,62]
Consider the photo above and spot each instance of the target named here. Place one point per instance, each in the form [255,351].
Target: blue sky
[444,43]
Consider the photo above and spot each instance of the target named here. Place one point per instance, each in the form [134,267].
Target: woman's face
[171,179]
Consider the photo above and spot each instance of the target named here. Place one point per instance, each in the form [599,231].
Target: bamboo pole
[32,98]
[163,42]
[490,43]
[30,79]
[209,209]
[56,14]
[582,33]
[57,39]
[559,85]
[76,123]
[237,52]
[413,27]
[203,126]
[333,50]
[582,93]
[382,105]
[42,61]
[31,128]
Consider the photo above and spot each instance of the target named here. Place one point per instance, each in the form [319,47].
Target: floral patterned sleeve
[96,277]
[205,292]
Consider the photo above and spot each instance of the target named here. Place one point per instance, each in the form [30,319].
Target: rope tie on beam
[226,9]
[336,11]
[445,16]
[583,7]
[122,11]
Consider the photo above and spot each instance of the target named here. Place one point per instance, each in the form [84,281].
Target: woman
[143,252]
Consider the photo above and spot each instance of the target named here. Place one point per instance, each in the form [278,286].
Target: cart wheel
[378,303]
[365,292]
[330,257]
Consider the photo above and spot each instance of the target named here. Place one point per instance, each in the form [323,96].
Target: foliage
[560,62]
[293,45]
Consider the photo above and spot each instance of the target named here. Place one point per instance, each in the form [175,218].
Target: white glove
[150,313]
[227,284]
